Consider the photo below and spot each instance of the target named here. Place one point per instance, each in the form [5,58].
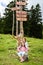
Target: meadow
[8,53]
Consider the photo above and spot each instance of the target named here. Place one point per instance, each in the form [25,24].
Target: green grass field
[8,54]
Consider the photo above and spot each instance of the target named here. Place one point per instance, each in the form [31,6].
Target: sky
[35,2]
[3,4]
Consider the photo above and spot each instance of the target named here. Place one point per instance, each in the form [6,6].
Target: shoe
[26,59]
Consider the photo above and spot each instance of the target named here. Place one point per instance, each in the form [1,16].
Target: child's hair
[24,39]
[22,43]
[19,41]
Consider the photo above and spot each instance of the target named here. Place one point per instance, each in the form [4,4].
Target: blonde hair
[19,41]
[24,39]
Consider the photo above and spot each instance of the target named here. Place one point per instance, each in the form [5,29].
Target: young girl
[26,43]
[21,51]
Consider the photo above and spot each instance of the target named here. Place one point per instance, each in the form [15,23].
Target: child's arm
[18,49]
[27,49]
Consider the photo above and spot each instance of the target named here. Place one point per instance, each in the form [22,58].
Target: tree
[9,18]
[35,22]
[2,24]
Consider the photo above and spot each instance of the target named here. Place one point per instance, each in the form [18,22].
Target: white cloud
[5,1]
[2,4]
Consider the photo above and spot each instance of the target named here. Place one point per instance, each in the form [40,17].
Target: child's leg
[21,54]
[21,59]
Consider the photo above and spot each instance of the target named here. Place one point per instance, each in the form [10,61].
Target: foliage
[34,25]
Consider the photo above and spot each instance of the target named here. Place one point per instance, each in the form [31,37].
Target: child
[27,46]
[21,51]
[26,43]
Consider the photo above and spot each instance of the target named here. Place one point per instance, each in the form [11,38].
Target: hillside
[8,54]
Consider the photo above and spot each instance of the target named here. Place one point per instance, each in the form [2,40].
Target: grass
[8,51]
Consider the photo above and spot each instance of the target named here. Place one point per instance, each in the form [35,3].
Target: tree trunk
[16,28]
[13,25]
[21,28]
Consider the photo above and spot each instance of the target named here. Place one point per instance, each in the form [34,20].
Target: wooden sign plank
[22,16]
[15,8]
[21,19]
[20,3]
[21,12]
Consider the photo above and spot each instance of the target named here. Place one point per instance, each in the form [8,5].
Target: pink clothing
[22,48]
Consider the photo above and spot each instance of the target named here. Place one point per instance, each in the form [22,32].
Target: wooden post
[16,25]
[21,28]
[21,24]
[13,25]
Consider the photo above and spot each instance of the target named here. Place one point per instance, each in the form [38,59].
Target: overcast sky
[35,2]
[3,4]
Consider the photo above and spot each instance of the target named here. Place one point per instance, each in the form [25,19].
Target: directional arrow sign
[21,12]
[22,16]
[20,3]
[21,19]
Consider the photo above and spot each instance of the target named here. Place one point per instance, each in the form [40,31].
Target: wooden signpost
[20,15]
